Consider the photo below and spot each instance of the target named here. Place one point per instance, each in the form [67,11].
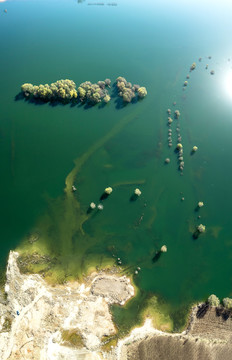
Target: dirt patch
[115,289]
[215,323]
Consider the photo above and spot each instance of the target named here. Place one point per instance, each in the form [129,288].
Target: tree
[213,300]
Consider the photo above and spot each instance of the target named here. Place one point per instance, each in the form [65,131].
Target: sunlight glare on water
[227,84]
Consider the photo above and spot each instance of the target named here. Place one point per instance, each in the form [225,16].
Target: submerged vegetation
[69,224]
[66,91]
[62,250]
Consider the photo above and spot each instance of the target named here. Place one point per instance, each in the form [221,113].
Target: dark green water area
[46,149]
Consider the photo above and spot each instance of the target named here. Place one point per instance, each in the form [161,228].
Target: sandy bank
[208,337]
[72,321]
[36,315]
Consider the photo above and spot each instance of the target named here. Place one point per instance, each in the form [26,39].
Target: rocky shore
[73,321]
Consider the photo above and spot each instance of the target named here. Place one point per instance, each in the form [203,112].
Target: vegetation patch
[108,342]
[72,338]
[66,91]
[35,263]
[6,327]
[159,314]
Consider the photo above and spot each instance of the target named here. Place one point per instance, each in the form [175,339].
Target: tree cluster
[94,93]
[66,90]
[60,90]
[63,90]
[128,91]
[213,300]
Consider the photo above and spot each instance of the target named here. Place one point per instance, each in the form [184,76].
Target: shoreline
[72,320]
[47,313]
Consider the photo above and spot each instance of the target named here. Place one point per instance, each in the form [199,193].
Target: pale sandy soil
[35,316]
[208,337]
[40,313]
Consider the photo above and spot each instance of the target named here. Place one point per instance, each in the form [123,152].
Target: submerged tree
[158,253]
[66,90]
[193,66]
[106,98]
[142,92]
[128,91]
[107,82]
[60,90]
[200,229]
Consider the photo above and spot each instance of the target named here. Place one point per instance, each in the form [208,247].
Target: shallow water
[154,46]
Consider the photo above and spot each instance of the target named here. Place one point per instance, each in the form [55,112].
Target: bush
[227,302]
[213,300]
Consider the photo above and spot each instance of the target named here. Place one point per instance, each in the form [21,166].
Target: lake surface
[152,45]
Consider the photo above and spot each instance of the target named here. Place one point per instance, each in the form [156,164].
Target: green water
[154,46]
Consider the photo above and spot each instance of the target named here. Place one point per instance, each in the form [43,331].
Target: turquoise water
[154,46]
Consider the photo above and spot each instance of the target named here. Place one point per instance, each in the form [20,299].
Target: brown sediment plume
[12,155]
[152,218]
[215,230]
[61,226]
[129,183]
[149,223]
[81,160]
